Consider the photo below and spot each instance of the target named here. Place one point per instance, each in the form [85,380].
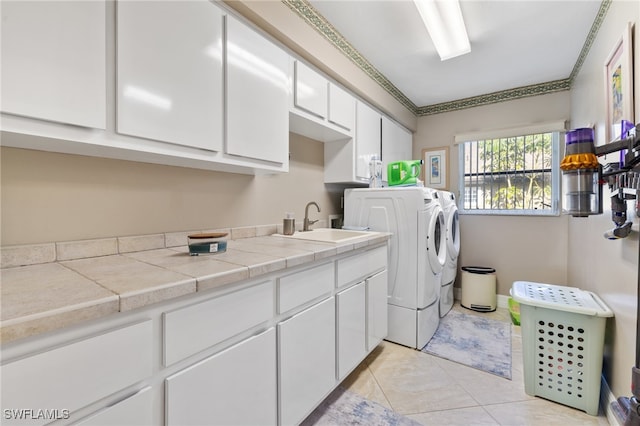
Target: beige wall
[517,247]
[608,268]
[57,197]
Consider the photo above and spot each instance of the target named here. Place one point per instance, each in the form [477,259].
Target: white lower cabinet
[307,360]
[352,347]
[136,410]
[234,387]
[264,351]
[72,376]
[376,309]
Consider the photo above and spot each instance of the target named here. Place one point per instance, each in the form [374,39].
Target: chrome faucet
[308,222]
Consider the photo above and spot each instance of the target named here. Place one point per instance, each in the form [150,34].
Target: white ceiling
[514,43]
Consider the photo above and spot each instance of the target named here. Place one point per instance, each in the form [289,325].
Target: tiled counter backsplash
[33,254]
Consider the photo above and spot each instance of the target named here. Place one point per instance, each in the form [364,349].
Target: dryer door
[453,233]
[437,240]
[431,254]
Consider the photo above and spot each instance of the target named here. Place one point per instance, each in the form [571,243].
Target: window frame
[555,172]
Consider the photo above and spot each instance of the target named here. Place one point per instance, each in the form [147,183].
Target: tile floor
[434,391]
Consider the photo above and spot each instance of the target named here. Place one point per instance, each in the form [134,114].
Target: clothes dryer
[452,231]
[417,253]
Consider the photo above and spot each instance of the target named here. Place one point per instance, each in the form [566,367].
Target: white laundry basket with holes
[562,343]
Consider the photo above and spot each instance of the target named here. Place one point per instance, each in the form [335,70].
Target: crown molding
[495,97]
[310,15]
[593,32]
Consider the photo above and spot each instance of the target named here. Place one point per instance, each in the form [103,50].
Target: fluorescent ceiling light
[444,22]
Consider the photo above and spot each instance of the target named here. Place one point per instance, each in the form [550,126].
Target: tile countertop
[38,298]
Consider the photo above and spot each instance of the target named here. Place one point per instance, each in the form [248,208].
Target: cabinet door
[310,92]
[307,360]
[169,60]
[351,307]
[257,95]
[342,107]
[376,309]
[367,138]
[54,61]
[234,387]
[397,144]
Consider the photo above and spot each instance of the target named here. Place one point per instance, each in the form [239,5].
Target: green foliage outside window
[513,173]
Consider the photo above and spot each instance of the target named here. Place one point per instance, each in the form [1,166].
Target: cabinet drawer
[135,410]
[194,328]
[73,376]
[358,267]
[303,286]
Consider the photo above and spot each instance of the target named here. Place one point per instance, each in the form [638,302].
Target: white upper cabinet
[320,109]
[169,72]
[310,90]
[397,144]
[54,61]
[342,107]
[347,161]
[257,95]
[368,138]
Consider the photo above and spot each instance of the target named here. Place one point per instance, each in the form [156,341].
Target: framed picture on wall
[435,167]
[618,84]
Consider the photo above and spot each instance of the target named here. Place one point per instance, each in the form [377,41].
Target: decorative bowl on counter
[207,243]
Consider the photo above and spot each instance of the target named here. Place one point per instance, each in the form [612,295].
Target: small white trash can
[562,343]
[478,288]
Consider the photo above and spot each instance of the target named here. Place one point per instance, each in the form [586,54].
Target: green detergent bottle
[403,172]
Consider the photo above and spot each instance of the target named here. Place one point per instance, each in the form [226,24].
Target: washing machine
[415,219]
[452,232]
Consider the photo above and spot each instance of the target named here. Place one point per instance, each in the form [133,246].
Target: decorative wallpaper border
[310,15]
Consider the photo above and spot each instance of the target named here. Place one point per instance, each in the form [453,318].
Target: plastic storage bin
[562,343]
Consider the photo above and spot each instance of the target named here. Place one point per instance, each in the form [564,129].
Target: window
[510,175]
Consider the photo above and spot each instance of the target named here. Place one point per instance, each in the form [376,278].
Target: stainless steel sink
[329,235]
